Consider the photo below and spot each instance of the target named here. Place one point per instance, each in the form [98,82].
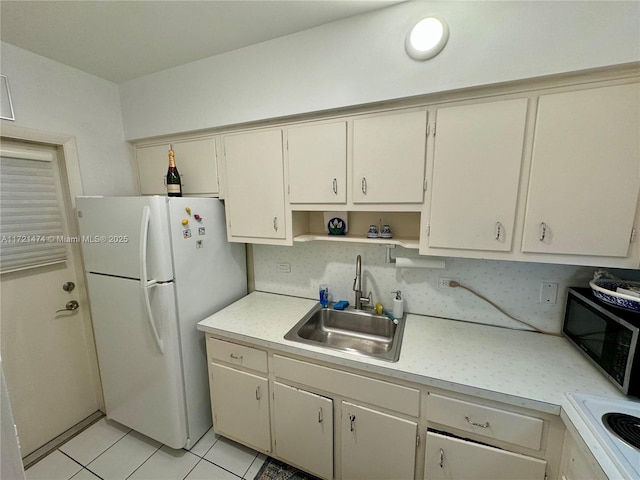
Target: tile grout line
[83,466]
[145,461]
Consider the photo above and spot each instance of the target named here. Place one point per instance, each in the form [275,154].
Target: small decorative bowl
[605,289]
[336,226]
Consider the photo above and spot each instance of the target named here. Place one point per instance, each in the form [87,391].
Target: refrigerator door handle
[146,284]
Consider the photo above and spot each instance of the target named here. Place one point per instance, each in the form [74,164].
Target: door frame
[71,183]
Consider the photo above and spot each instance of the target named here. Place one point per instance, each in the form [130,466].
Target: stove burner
[626,427]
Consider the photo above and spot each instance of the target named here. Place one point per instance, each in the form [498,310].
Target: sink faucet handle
[367,300]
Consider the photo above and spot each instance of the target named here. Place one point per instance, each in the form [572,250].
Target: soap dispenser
[398,305]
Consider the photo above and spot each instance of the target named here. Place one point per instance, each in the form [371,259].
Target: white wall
[514,286]
[361,60]
[55,98]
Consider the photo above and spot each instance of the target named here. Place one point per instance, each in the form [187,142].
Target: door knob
[68,286]
[70,306]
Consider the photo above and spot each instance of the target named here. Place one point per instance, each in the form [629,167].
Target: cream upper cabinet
[450,458]
[376,445]
[476,172]
[255,200]
[303,429]
[389,158]
[585,172]
[196,161]
[317,156]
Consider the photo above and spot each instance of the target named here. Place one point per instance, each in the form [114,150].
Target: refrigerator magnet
[201,231]
[186,233]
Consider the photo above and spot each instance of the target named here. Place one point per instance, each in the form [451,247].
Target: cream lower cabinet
[376,445]
[240,405]
[450,458]
[303,429]
[577,461]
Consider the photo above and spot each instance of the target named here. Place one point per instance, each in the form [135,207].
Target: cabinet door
[585,172]
[198,166]
[303,426]
[153,163]
[389,158]
[451,458]
[240,406]
[318,163]
[476,173]
[255,185]
[376,445]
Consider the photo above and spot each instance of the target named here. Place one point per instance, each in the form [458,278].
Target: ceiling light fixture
[427,38]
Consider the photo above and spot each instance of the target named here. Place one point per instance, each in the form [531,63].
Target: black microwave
[606,335]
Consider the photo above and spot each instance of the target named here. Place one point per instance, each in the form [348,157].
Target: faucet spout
[357,287]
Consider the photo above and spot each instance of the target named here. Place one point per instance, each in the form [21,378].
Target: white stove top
[591,408]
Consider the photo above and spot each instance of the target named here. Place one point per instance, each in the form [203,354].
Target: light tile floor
[109,451]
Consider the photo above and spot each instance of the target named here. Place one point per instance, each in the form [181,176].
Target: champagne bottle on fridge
[174,187]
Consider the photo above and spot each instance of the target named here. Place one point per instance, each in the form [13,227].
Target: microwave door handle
[145,284]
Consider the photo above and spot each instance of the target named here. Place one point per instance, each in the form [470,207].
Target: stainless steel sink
[350,330]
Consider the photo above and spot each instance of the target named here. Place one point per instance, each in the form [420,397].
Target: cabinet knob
[363,185]
[335,186]
[258,393]
[499,229]
[441,458]
[275,223]
[320,415]
[352,421]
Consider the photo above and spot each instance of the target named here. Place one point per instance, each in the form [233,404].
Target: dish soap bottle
[398,305]
[174,187]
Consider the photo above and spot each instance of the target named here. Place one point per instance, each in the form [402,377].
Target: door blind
[31,219]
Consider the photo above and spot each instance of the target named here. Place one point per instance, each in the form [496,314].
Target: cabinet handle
[481,425]
[543,231]
[275,223]
[364,185]
[320,415]
[235,357]
[498,231]
[335,186]
[441,458]
[258,393]
[352,421]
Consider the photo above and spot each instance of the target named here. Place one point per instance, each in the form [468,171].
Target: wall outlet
[284,267]
[548,293]
[443,282]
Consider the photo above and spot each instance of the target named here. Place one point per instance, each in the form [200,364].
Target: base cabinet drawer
[237,355]
[490,422]
[451,458]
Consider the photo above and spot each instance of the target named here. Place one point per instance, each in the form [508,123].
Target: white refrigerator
[155,267]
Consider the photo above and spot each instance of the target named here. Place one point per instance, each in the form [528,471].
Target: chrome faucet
[357,287]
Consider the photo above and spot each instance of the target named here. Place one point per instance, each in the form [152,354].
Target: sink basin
[350,330]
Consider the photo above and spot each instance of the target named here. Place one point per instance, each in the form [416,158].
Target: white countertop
[515,367]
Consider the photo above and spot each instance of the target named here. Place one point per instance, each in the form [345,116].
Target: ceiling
[122,40]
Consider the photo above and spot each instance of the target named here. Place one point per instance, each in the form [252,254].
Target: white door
[240,405]
[476,171]
[376,445]
[318,163]
[303,425]
[139,357]
[48,357]
[255,200]
[585,172]
[451,458]
[389,158]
